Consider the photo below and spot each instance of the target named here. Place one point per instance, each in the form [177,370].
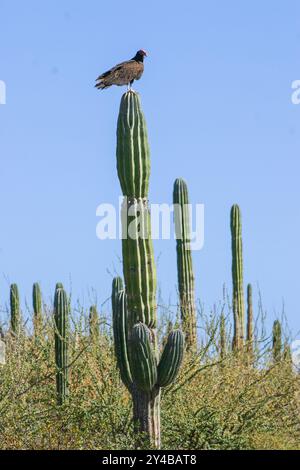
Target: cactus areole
[134,308]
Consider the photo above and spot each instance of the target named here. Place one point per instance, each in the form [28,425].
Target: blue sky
[216,93]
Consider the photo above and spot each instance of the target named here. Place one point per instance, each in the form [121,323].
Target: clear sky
[216,93]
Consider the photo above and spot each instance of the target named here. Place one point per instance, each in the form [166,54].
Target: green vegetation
[213,404]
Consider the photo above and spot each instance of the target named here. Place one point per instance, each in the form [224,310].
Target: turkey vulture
[124,73]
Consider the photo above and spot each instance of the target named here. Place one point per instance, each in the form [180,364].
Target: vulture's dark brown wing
[121,74]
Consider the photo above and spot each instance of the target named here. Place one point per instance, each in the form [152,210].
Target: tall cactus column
[134,312]
[37,309]
[237,278]
[61,319]
[15,312]
[184,262]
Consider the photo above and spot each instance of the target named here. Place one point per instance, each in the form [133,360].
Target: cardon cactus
[237,278]
[277,341]
[140,368]
[94,326]
[184,262]
[134,309]
[37,308]
[61,321]
[15,312]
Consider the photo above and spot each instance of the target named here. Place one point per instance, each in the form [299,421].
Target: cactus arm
[120,325]
[117,287]
[171,359]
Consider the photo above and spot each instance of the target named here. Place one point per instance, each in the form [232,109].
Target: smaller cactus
[37,308]
[237,277]
[185,271]
[94,325]
[15,312]
[61,319]
[277,341]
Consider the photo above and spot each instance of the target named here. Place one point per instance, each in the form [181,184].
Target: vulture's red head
[139,56]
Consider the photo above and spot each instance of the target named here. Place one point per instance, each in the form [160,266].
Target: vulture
[124,73]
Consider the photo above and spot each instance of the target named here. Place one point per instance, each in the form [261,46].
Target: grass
[215,403]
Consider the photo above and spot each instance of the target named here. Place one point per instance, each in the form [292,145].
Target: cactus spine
[37,308]
[237,277]
[15,312]
[184,262]
[277,341]
[134,310]
[61,319]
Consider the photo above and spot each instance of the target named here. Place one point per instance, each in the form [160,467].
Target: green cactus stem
[133,153]
[171,359]
[143,363]
[94,324]
[133,164]
[184,262]
[277,341]
[134,312]
[237,277]
[61,320]
[15,312]
[37,309]
[117,287]
[120,329]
